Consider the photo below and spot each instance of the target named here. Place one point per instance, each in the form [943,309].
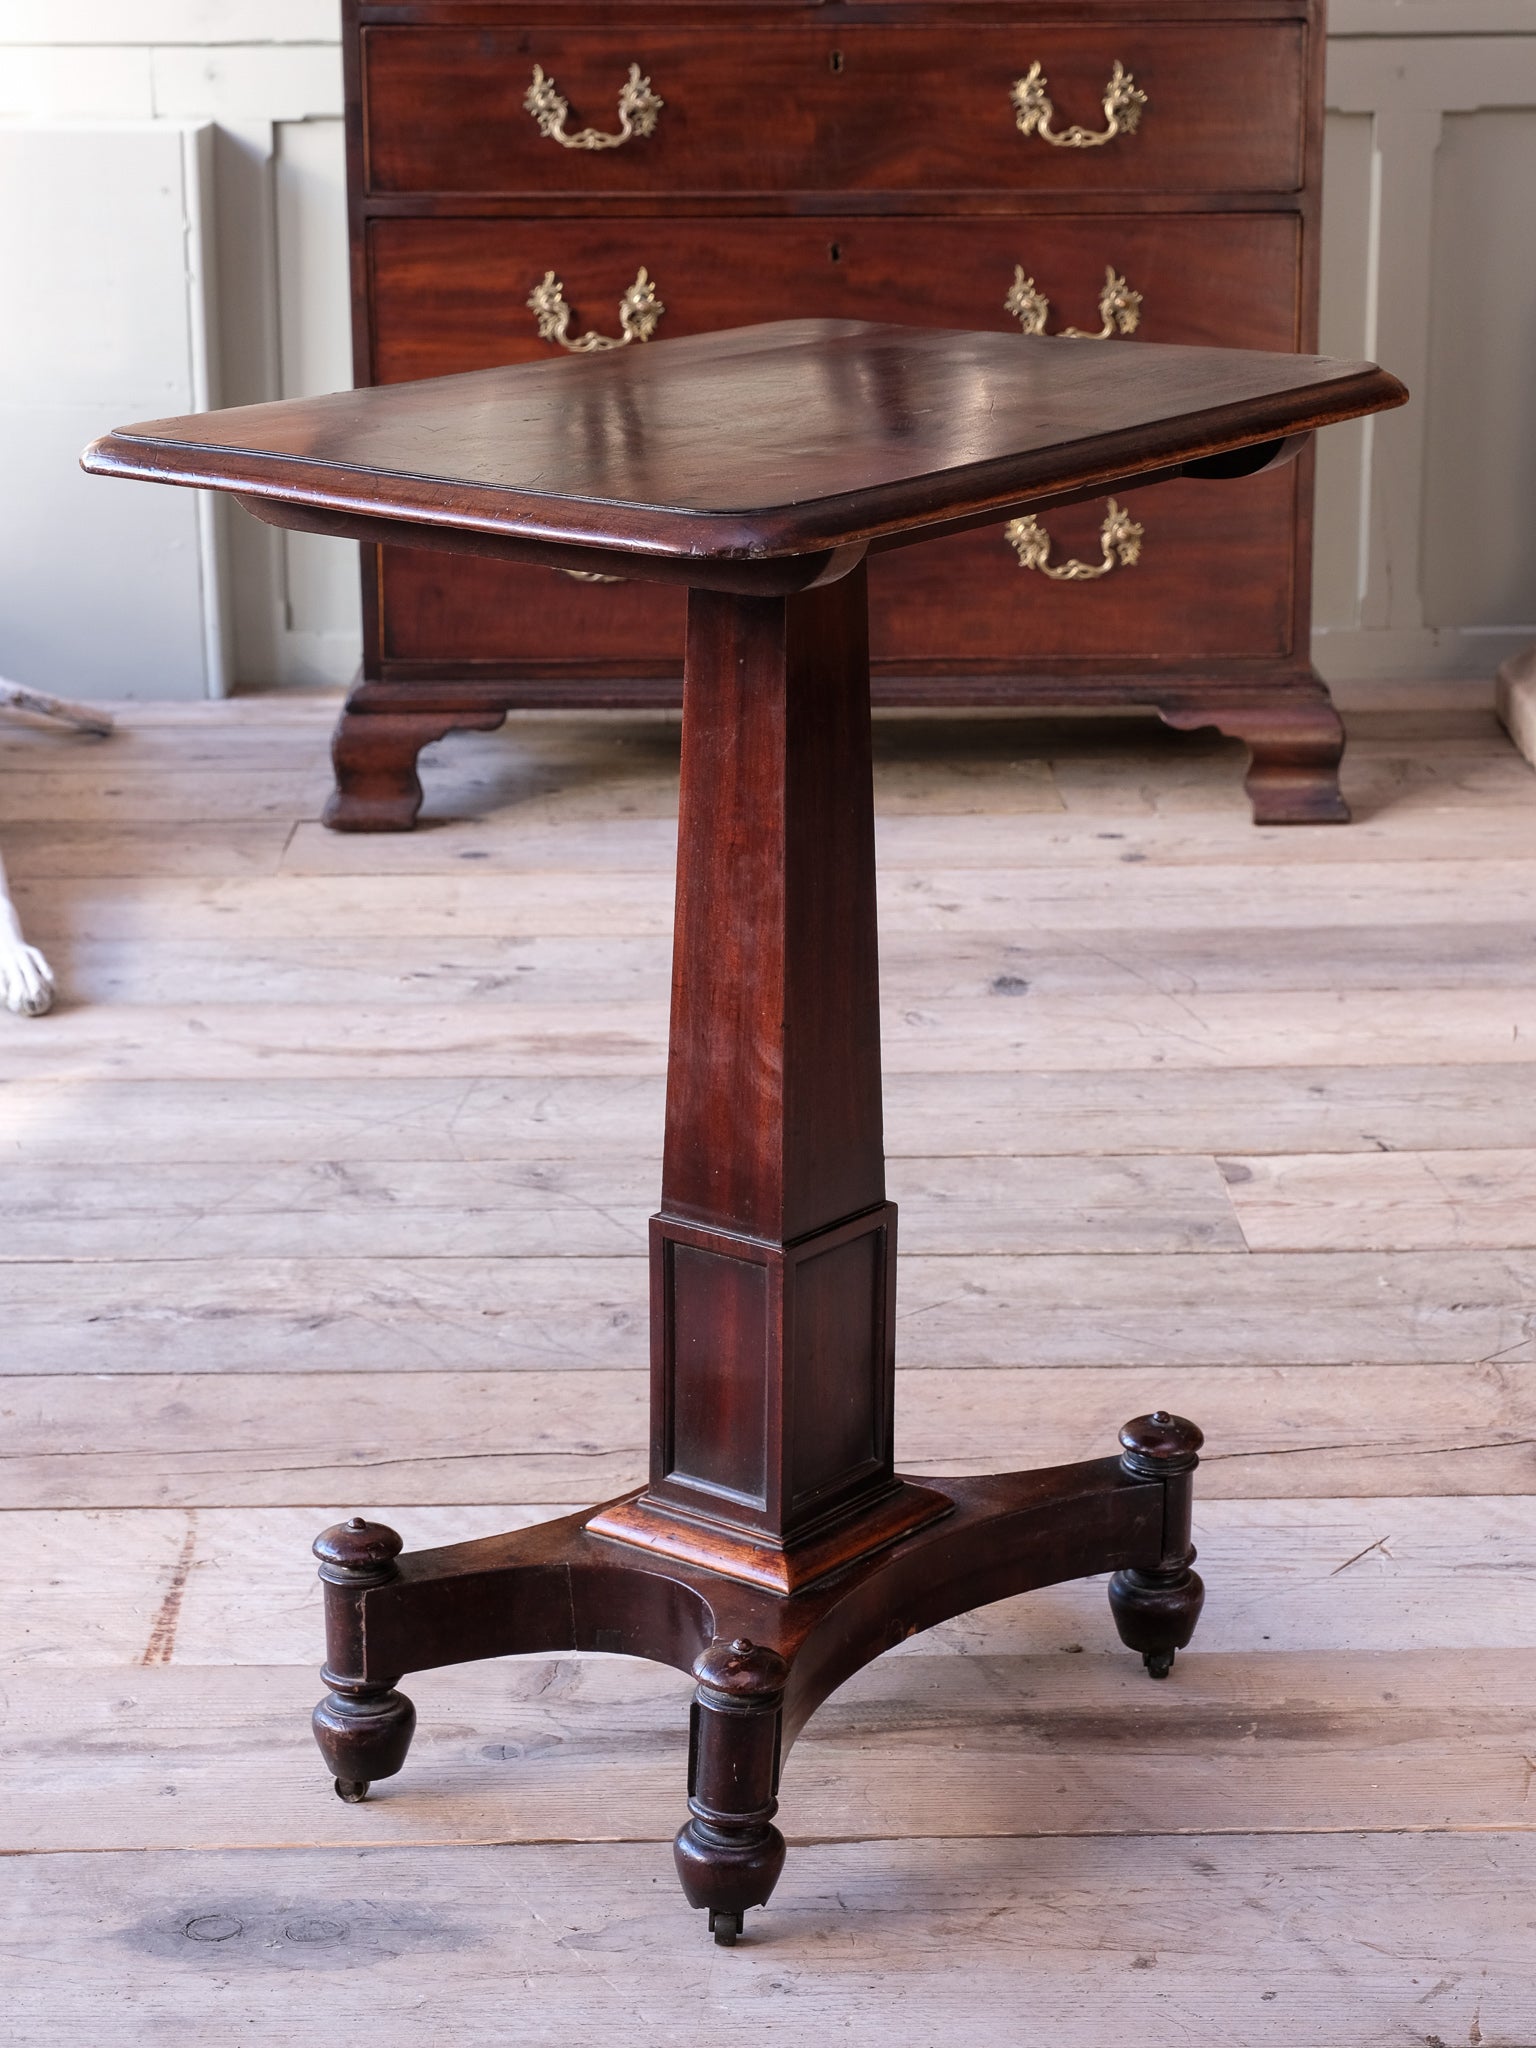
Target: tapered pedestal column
[774,1549]
[773,1255]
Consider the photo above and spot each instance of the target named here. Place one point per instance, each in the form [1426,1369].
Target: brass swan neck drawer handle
[1119,539]
[1034,112]
[1119,307]
[638,108]
[639,311]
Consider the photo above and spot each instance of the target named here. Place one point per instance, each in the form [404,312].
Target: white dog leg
[25,976]
[26,979]
[83,717]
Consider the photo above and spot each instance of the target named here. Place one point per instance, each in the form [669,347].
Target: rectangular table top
[756,442]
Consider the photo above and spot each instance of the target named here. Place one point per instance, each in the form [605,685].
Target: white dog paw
[26,980]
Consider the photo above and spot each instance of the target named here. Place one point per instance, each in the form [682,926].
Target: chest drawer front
[453,295]
[855,108]
[456,613]
[1215,571]
[1212,578]
[1214,581]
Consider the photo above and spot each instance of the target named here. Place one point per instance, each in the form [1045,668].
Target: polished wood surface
[447,296]
[451,295]
[775,1549]
[774,1252]
[448,614]
[862,164]
[848,106]
[779,440]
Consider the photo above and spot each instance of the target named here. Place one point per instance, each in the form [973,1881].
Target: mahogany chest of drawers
[530,175]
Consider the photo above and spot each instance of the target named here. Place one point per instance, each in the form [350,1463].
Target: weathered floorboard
[285,1191]
[1093,1309]
[1271,1941]
[218,1440]
[237,1585]
[235,1041]
[1405,1201]
[923,968]
[985,898]
[1240,1112]
[533,1749]
[592,1206]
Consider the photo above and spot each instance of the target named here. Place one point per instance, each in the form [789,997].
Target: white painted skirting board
[1517,701]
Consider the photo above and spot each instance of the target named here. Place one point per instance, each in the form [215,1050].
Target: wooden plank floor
[325,1190]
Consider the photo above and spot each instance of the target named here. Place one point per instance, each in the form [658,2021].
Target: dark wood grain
[377,787]
[1214,583]
[764,1659]
[452,295]
[773,1107]
[449,614]
[862,163]
[775,1548]
[773,1339]
[849,105]
[764,441]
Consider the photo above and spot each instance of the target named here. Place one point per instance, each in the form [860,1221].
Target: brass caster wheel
[1159,1662]
[725,1927]
[353,1790]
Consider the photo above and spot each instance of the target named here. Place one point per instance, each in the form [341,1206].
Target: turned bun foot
[725,1874]
[1156,1607]
[1156,1613]
[729,1854]
[364,1732]
[363,1726]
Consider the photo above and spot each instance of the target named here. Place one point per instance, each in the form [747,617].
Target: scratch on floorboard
[1380,1544]
[162,1635]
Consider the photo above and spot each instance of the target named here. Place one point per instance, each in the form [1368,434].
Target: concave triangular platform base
[764,1656]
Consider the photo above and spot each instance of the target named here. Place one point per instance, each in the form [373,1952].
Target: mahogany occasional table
[775,1549]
